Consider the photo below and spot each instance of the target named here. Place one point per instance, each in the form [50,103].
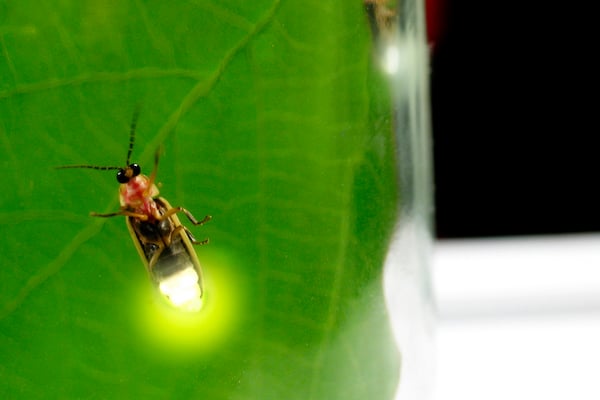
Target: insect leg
[193,239]
[189,235]
[188,214]
[155,256]
[126,213]
[155,168]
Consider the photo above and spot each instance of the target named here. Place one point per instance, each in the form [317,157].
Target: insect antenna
[136,114]
[87,166]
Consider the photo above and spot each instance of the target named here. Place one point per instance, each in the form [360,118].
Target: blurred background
[516,266]
[513,119]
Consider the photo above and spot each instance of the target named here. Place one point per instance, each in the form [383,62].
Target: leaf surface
[272,120]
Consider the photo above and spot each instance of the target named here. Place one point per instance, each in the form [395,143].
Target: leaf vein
[52,268]
[204,87]
[101,76]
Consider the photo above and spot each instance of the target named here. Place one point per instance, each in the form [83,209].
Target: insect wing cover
[177,272]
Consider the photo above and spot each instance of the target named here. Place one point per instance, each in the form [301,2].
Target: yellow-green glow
[169,332]
[182,290]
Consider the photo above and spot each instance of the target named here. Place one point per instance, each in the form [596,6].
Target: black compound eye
[135,169]
[122,176]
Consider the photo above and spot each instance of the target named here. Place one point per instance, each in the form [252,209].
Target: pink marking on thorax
[138,195]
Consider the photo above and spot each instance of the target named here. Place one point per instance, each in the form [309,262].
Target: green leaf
[272,120]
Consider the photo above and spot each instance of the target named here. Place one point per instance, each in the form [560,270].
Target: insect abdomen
[172,260]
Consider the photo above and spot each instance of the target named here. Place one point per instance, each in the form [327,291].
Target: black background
[514,109]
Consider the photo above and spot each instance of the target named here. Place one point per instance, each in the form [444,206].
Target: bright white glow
[550,357]
[182,290]
[391,59]
[520,318]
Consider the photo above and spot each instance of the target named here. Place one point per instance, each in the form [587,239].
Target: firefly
[164,244]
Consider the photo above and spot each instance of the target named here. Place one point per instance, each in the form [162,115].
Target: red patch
[137,195]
